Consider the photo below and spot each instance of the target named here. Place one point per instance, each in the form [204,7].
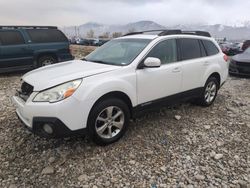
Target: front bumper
[64,120]
[239,70]
[59,129]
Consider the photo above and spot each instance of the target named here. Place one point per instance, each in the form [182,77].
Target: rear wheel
[209,92]
[46,60]
[108,121]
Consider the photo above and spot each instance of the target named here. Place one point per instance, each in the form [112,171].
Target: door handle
[176,69]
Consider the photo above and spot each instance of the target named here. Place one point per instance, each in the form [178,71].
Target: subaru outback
[119,81]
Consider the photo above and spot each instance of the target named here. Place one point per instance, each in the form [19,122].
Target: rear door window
[11,38]
[211,49]
[46,35]
[190,48]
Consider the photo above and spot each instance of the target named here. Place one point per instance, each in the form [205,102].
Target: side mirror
[152,62]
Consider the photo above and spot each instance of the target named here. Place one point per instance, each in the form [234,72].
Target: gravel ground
[181,146]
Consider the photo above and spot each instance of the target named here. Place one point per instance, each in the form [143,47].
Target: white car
[99,95]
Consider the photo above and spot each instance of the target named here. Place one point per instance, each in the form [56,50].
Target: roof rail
[170,32]
[133,33]
[142,32]
[200,33]
[165,32]
[27,27]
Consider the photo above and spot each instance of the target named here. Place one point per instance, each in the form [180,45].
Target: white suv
[101,93]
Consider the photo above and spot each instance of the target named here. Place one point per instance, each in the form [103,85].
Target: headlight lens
[58,93]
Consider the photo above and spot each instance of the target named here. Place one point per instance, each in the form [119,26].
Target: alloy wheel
[110,122]
[210,92]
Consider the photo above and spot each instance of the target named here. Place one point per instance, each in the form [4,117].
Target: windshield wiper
[100,61]
[95,61]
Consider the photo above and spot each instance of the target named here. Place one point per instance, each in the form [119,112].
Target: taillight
[225,57]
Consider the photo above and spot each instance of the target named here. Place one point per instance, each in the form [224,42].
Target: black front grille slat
[26,90]
[244,64]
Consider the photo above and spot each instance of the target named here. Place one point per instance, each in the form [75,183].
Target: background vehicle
[120,80]
[245,45]
[81,41]
[230,49]
[240,64]
[89,42]
[100,42]
[28,47]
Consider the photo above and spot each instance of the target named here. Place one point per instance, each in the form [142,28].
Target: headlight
[58,93]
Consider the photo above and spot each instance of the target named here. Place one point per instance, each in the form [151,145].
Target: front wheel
[108,121]
[209,92]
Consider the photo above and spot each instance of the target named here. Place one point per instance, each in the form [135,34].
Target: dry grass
[81,51]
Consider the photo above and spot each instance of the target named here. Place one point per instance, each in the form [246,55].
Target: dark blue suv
[29,47]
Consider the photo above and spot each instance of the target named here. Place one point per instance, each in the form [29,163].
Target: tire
[209,92]
[46,60]
[103,127]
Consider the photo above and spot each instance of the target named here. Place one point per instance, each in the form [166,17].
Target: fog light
[47,128]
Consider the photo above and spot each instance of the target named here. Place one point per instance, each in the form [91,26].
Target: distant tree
[105,35]
[90,33]
[116,34]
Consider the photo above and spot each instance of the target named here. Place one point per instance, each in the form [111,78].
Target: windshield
[118,52]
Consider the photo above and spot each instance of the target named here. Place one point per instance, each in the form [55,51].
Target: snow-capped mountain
[241,31]
[99,29]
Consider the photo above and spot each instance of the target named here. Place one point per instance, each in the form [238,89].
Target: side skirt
[141,109]
[13,69]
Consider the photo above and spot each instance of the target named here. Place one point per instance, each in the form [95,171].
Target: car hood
[244,57]
[53,75]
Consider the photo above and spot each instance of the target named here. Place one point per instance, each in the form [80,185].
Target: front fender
[93,90]
[94,87]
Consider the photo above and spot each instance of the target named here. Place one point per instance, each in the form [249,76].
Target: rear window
[190,48]
[11,38]
[211,49]
[46,35]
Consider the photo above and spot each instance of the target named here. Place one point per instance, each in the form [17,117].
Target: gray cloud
[166,12]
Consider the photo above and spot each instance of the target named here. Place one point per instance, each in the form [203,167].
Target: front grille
[244,64]
[26,90]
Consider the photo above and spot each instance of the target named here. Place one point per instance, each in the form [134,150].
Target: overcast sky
[165,12]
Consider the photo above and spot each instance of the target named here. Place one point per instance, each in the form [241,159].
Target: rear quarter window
[11,38]
[46,35]
[210,47]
